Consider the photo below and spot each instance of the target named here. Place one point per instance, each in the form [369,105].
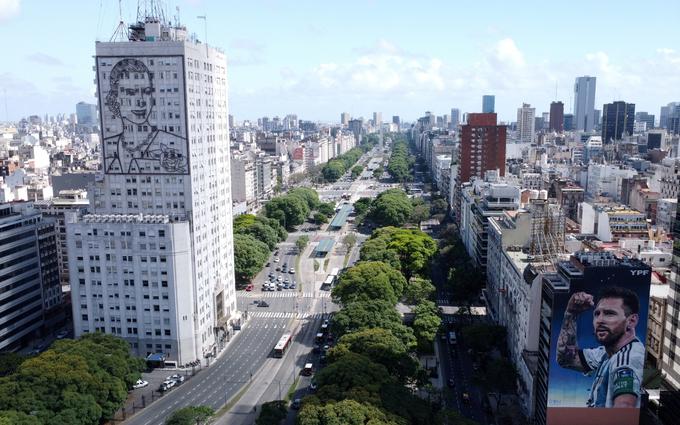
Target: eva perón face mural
[143,116]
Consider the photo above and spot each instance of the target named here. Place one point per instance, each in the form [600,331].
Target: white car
[276,260]
[292,270]
[140,384]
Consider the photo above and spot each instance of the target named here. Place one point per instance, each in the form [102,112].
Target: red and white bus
[282,345]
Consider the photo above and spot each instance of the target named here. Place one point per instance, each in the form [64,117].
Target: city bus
[282,345]
[335,272]
[329,281]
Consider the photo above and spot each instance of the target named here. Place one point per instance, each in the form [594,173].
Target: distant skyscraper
[488,104]
[584,103]
[646,118]
[356,127]
[482,147]
[556,117]
[231,121]
[618,120]
[672,109]
[568,122]
[546,121]
[598,119]
[344,118]
[377,119]
[153,262]
[395,120]
[526,123]
[86,113]
[455,118]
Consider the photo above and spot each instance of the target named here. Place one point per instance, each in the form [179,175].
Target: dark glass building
[618,120]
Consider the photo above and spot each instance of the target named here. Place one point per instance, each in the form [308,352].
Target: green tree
[274,224]
[439,206]
[310,196]
[399,163]
[420,213]
[326,208]
[362,205]
[191,415]
[418,289]
[333,170]
[289,210]
[263,233]
[12,417]
[351,372]
[391,208]
[356,171]
[369,281]
[465,282]
[426,324]
[378,172]
[9,362]
[344,412]
[301,243]
[407,249]
[349,241]
[381,346]
[320,218]
[379,313]
[272,413]
[250,255]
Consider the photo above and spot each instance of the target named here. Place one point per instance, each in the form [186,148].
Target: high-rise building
[584,103]
[648,119]
[396,120]
[482,147]
[153,261]
[556,117]
[618,120]
[667,111]
[86,113]
[569,122]
[377,119]
[356,127]
[526,123]
[29,276]
[671,344]
[488,104]
[582,378]
[455,118]
[344,118]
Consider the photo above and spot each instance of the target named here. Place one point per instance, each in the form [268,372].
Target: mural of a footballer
[617,364]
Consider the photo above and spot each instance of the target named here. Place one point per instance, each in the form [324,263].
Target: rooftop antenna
[177,17]
[120,34]
[205,29]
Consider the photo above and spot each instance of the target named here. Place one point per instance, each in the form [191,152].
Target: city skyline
[370,61]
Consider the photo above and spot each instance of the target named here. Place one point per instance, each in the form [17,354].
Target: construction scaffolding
[547,232]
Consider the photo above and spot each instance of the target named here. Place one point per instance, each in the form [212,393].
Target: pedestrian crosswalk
[285,294]
[284,315]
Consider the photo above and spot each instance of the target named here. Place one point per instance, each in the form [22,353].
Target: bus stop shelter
[340,218]
[323,248]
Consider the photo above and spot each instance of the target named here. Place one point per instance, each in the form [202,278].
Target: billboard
[597,346]
[144,124]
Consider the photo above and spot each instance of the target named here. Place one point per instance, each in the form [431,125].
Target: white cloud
[9,9]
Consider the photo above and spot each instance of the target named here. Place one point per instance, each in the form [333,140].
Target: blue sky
[320,58]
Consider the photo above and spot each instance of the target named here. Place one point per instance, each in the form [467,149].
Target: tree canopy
[356,171]
[418,289]
[272,413]
[358,315]
[407,249]
[191,415]
[250,255]
[391,208]
[83,381]
[426,323]
[398,165]
[345,412]
[370,280]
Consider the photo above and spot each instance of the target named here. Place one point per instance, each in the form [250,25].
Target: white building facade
[153,262]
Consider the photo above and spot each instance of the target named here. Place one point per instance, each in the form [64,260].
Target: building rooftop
[127,218]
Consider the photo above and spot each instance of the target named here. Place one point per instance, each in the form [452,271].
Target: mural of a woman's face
[131,91]
[135,100]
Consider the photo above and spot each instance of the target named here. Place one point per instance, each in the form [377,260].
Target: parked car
[293,286]
[249,287]
[292,270]
[276,259]
[296,403]
[177,378]
[62,334]
[166,385]
[262,303]
[140,384]
[450,383]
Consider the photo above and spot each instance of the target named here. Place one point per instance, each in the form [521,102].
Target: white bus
[282,345]
[335,272]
